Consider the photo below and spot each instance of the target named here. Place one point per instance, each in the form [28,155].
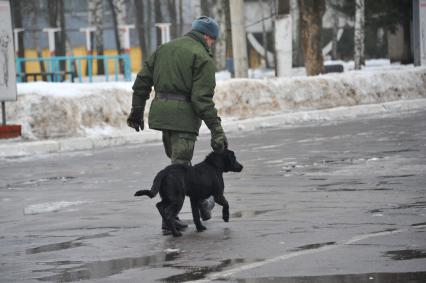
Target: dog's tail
[155,186]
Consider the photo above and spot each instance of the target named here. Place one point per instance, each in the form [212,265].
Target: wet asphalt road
[335,202]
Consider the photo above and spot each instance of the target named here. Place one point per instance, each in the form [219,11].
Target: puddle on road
[103,269]
[406,254]
[196,273]
[64,245]
[411,277]
[313,246]
[54,247]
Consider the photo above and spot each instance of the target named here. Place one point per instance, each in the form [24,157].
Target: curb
[19,149]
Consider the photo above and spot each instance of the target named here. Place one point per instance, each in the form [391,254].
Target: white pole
[283,45]
[239,43]
[359,34]
[126,36]
[16,31]
[165,31]
[422,32]
[87,32]
[51,37]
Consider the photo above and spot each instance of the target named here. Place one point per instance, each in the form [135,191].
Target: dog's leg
[221,200]
[196,215]
[168,219]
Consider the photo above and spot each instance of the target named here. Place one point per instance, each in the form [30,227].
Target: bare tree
[228,31]
[333,6]
[171,4]
[17,7]
[180,18]
[205,6]
[158,18]
[118,10]
[96,20]
[148,26]
[311,12]
[359,34]
[56,18]
[140,26]
[33,11]
[219,14]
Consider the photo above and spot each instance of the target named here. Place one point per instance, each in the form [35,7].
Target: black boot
[205,208]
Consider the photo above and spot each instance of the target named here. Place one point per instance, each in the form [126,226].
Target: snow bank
[52,110]
[248,97]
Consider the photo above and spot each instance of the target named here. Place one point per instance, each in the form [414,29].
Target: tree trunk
[173,18]
[205,6]
[17,13]
[56,18]
[158,19]
[334,37]
[180,18]
[96,20]
[219,14]
[34,14]
[311,12]
[359,34]
[264,35]
[140,27]
[118,11]
[228,31]
[149,27]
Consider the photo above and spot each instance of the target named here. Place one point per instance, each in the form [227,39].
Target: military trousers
[179,146]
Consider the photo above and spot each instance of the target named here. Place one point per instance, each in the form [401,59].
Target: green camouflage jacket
[185,67]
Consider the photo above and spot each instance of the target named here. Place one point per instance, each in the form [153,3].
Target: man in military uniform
[183,75]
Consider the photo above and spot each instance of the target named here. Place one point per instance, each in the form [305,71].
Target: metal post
[283,39]
[51,37]
[419,31]
[3,109]
[165,32]
[16,31]
[125,29]
[239,43]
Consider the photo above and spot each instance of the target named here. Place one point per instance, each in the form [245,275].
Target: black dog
[198,182]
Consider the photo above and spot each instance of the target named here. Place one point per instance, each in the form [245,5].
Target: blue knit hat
[207,26]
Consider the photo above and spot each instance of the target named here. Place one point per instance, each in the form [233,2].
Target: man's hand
[135,119]
[218,141]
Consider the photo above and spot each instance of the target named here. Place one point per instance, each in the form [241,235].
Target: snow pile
[53,110]
[248,97]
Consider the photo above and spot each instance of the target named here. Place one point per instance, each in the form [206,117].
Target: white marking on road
[230,272]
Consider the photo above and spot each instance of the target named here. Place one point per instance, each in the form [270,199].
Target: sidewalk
[18,148]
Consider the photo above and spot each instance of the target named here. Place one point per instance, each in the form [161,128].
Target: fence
[73,67]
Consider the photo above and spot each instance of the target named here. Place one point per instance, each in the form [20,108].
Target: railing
[74,67]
